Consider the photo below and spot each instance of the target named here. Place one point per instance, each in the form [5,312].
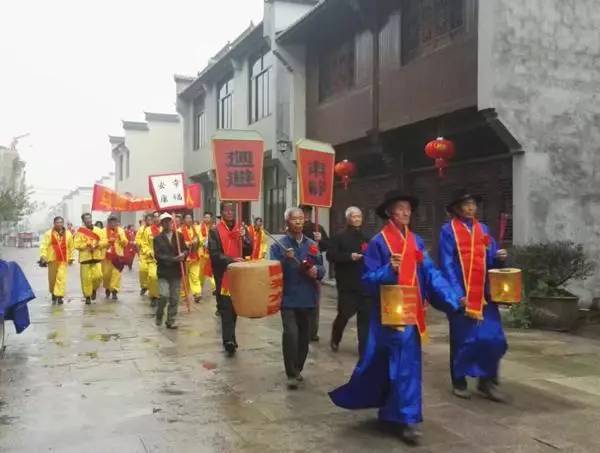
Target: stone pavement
[103,378]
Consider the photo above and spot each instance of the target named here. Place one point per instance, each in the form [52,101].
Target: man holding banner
[91,243]
[113,262]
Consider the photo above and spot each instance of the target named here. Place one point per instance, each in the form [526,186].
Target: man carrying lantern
[195,260]
[227,243]
[477,341]
[259,240]
[388,376]
[56,252]
[91,243]
[143,265]
[346,250]
[302,266]
[113,262]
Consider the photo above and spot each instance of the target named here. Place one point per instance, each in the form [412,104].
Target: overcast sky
[71,70]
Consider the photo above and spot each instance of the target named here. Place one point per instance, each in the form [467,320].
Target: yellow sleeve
[79,242]
[103,242]
[70,246]
[139,237]
[44,246]
[263,247]
[122,238]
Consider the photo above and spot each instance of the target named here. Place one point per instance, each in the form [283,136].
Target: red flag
[105,199]
[238,157]
[193,196]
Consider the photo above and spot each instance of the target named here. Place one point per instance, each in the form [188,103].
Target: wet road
[103,378]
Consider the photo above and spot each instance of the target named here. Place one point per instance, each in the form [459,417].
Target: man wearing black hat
[477,340]
[388,376]
[316,233]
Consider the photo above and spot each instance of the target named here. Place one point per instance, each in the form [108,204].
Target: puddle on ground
[105,337]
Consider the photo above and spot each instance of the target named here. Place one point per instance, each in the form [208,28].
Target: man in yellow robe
[113,262]
[206,268]
[91,242]
[56,252]
[259,240]
[147,255]
[196,260]
[139,242]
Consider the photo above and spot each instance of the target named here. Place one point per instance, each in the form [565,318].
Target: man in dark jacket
[169,258]
[318,234]
[346,251]
[227,243]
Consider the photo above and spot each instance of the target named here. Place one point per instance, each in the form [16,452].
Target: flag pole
[186,289]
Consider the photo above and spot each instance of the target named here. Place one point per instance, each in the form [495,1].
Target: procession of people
[177,256]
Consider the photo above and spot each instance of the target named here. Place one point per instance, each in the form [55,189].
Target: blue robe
[477,346]
[388,376]
[15,292]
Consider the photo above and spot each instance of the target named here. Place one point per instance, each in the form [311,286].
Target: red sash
[471,253]
[60,248]
[188,236]
[155,229]
[256,236]
[407,274]
[117,261]
[232,247]
[203,229]
[88,233]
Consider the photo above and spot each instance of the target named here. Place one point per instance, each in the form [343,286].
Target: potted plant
[547,268]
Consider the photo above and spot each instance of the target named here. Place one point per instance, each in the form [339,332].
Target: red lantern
[345,170]
[441,150]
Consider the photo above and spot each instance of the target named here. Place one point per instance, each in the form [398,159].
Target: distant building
[150,147]
[12,170]
[251,84]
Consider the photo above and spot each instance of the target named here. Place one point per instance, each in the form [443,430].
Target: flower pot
[554,312]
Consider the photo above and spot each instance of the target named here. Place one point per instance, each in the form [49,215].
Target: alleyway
[104,379]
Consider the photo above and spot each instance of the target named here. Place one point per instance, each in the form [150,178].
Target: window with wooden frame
[225,104]
[428,25]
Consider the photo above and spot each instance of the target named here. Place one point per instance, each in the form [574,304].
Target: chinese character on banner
[238,157]
[315,173]
[168,191]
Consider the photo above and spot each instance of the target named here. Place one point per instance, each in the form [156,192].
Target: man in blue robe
[477,342]
[388,376]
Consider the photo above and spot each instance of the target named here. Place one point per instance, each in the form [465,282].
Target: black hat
[392,197]
[460,197]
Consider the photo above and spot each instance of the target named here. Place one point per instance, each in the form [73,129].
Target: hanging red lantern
[441,150]
[345,170]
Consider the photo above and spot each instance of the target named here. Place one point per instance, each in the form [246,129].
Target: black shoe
[107,293]
[59,300]
[292,383]
[230,348]
[197,299]
[489,390]
[53,299]
[171,325]
[158,321]
[334,346]
[217,312]
[94,295]
[154,302]
[214,293]
[88,300]
[143,291]
[411,434]
[114,295]
[315,339]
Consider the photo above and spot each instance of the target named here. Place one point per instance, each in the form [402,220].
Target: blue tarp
[15,293]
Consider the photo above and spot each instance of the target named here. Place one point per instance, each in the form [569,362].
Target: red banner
[238,157]
[105,199]
[315,162]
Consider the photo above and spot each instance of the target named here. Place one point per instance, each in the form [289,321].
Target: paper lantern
[441,150]
[345,170]
[399,305]
[505,285]
[256,287]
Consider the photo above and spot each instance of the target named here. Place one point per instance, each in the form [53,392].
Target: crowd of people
[178,256]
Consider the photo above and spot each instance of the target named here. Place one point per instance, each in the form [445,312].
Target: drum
[256,287]
[505,285]
[399,305]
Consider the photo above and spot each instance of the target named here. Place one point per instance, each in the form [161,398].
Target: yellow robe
[110,274]
[147,254]
[90,260]
[143,271]
[57,267]
[194,267]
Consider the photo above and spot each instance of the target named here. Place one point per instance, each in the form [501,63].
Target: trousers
[143,274]
[295,338]
[169,297]
[352,303]
[57,278]
[111,276]
[91,278]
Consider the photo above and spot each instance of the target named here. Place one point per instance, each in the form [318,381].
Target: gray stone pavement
[103,378]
